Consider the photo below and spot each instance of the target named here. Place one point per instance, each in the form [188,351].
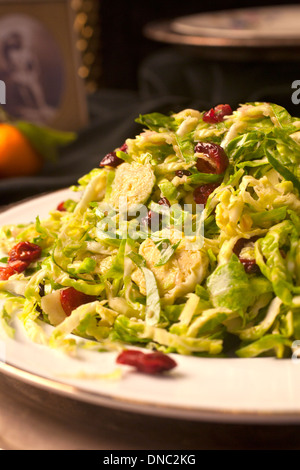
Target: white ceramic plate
[264,22]
[228,390]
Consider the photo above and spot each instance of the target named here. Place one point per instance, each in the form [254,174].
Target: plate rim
[138,406]
[180,24]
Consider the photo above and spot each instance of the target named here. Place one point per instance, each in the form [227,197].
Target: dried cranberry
[163,201]
[181,173]
[61,207]
[150,363]
[217,113]
[146,221]
[6,272]
[249,264]
[14,267]
[19,258]
[130,357]
[71,298]
[202,193]
[216,161]
[242,242]
[19,266]
[204,166]
[152,220]
[112,160]
[124,148]
[210,116]
[25,251]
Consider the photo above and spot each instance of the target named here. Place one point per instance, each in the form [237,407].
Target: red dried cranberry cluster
[111,158]
[71,298]
[149,363]
[19,258]
[217,113]
[249,264]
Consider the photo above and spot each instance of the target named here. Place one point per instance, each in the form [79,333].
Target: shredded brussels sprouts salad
[186,239]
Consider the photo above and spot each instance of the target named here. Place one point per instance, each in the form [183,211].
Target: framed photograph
[39,64]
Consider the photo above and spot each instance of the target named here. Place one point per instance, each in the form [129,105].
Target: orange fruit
[17,156]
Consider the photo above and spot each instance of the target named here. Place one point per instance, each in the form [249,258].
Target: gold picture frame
[39,64]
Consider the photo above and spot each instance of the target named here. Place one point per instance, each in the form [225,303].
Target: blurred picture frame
[39,64]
